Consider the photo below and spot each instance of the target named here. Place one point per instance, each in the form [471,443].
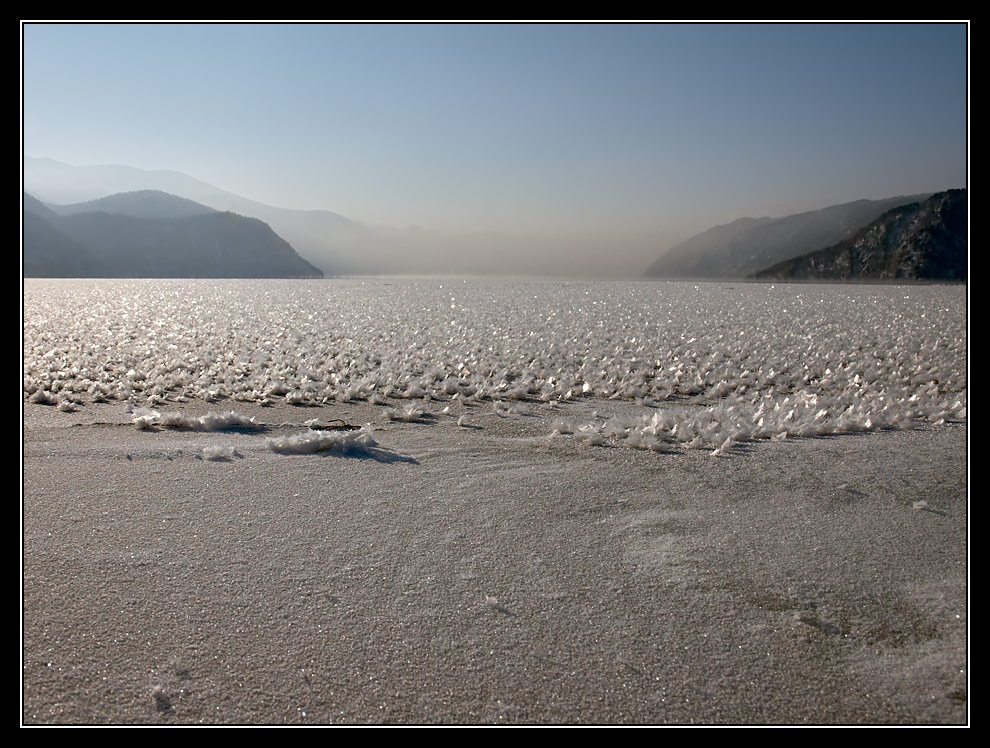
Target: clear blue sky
[545,128]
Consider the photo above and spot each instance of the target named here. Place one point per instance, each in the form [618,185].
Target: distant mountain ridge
[152,235]
[925,240]
[748,245]
[49,252]
[319,235]
[138,204]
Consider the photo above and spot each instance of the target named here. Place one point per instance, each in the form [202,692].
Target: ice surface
[711,364]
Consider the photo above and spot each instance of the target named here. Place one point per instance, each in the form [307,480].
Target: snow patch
[311,442]
[219,454]
[42,397]
[145,418]
[409,414]
[835,360]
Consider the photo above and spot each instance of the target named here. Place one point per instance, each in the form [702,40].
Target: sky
[626,131]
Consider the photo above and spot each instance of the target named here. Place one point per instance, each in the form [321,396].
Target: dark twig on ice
[336,424]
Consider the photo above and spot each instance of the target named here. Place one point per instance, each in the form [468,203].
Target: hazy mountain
[140,204]
[205,244]
[330,241]
[746,246]
[38,208]
[923,240]
[50,253]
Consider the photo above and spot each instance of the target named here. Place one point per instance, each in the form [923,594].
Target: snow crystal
[723,448]
[409,414]
[145,418]
[43,398]
[753,362]
[310,442]
[219,454]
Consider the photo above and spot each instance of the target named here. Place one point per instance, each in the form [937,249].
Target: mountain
[330,241]
[139,204]
[924,240]
[38,208]
[201,244]
[746,246]
[50,253]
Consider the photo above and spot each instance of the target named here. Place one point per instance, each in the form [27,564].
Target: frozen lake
[762,361]
[486,549]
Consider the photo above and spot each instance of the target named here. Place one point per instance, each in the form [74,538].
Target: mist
[599,254]
[340,246]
